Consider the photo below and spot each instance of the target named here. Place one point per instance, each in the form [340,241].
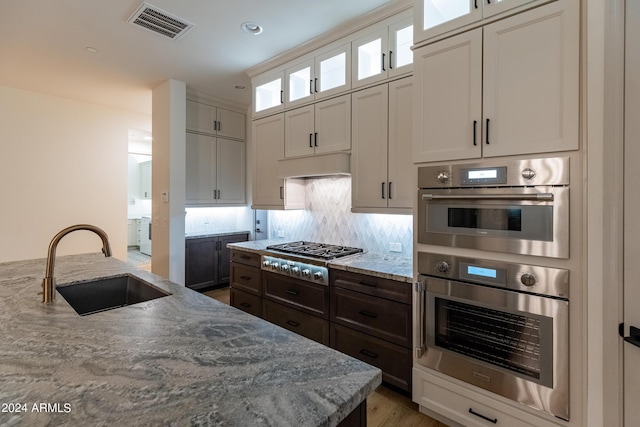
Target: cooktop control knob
[529,173]
[284,268]
[528,279]
[442,266]
[295,270]
[317,275]
[306,272]
[274,265]
[266,263]
[442,177]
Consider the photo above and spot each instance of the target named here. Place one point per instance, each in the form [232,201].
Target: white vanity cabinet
[510,87]
[436,17]
[204,118]
[383,51]
[269,190]
[325,74]
[215,171]
[381,165]
[320,128]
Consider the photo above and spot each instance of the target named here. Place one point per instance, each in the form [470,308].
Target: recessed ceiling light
[251,28]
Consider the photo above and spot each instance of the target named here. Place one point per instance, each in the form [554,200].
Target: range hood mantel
[312,166]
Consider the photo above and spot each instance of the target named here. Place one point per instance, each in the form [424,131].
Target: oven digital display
[482,272]
[482,174]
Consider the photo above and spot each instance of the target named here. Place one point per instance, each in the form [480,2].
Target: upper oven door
[524,220]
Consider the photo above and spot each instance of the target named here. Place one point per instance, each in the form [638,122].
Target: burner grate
[315,250]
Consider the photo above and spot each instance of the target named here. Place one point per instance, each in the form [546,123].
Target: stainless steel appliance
[304,260]
[514,206]
[499,326]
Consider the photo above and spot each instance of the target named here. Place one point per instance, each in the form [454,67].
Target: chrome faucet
[49,283]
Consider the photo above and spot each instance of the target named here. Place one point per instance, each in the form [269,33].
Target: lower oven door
[510,343]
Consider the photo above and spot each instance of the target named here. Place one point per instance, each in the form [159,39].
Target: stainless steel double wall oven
[498,325]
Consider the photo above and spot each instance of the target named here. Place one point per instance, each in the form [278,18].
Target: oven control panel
[298,270]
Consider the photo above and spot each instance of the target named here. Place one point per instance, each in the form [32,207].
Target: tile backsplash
[328,219]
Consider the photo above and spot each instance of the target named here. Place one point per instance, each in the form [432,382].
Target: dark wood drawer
[389,320]
[247,302]
[304,324]
[245,278]
[248,258]
[371,285]
[394,360]
[309,297]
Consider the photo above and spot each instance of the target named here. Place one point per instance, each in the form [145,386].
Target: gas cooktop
[322,251]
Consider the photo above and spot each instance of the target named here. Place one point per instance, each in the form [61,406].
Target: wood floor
[385,407]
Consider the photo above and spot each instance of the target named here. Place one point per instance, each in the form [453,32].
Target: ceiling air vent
[160,21]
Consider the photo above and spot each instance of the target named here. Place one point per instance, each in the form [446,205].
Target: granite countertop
[203,234]
[385,266]
[184,359]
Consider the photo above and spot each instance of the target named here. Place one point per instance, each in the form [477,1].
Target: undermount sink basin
[109,293]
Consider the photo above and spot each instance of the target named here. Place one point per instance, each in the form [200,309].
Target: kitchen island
[183,359]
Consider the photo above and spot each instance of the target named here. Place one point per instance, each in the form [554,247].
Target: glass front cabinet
[268,94]
[383,53]
[326,74]
[435,17]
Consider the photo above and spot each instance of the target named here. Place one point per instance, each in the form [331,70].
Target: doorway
[139,199]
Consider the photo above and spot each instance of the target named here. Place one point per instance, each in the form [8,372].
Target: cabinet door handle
[215,125]
[391,60]
[488,1]
[281,97]
[293,323]
[310,140]
[491,420]
[310,86]
[292,292]
[390,190]
[487,138]
[383,190]
[368,314]
[281,193]
[245,277]
[219,126]
[315,86]
[475,4]
[219,196]
[475,129]
[383,56]
[368,353]
[315,140]
[215,194]
[244,304]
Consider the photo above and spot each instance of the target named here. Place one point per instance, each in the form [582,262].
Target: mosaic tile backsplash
[328,219]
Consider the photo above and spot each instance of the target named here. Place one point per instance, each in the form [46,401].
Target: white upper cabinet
[435,17]
[326,74]
[204,118]
[510,87]
[268,93]
[383,52]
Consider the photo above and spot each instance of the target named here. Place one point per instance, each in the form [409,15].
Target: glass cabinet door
[300,79]
[440,16]
[268,93]
[369,53]
[332,71]
[400,42]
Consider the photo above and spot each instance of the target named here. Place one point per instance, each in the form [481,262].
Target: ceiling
[43,45]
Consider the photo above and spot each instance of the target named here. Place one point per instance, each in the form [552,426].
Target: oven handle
[536,196]
[420,288]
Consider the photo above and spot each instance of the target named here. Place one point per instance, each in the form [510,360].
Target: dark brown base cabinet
[207,260]
[371,321]
[246,287]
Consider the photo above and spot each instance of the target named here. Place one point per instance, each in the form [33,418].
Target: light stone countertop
[204,234]
[184,359]
[385,266]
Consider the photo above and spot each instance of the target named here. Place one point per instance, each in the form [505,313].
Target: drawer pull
[292,292]
[368,314]
[491,420]
[244,304]
[245,277]
[368,353]
[371,285]
[245,257]
[293,323]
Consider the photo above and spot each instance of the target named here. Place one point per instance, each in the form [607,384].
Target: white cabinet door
[145,180]
[401,190]
[300,83]
[531,84]
[448,108]
[369,138]
[231,124]
[268,93]
[201,117]
[268,134]
[333,125]
[299,134]
[370,57]
[332,74]
[400,41]
[200,169]
[230,171]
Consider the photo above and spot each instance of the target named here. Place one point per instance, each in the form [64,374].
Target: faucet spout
[49,283]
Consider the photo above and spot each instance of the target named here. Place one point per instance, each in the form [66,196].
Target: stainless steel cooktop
[322,251]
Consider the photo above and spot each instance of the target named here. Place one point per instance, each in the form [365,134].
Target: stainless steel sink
[109,293]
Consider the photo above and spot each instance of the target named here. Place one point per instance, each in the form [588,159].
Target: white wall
[62,162]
